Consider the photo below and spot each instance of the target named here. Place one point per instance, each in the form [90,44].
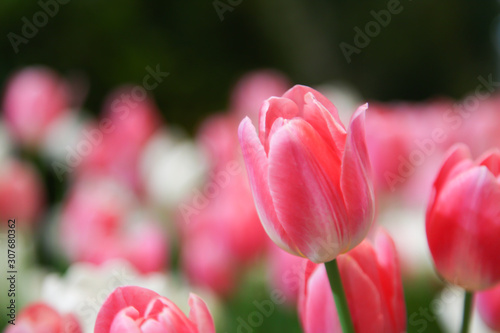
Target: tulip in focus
[136,309]
[373,289]
[41,318]
[34,99]
[463,219]
[310,177]
[488,303]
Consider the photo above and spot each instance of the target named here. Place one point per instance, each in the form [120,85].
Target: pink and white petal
[257,169]
[272,109]
[318,312]
[200,315]
[324,123]
[303,180]
[121,298]
[298,92]
[356,181]
[124,322]
[363,298]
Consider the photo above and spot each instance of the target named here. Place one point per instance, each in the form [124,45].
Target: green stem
[339,296]
[467,311]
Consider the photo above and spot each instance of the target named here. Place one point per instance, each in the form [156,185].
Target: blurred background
[425,51]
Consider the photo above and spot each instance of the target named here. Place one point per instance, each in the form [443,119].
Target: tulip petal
[257,168]
[298,92]
[356,182]
[119,299]
[272,109]
[303,179]
[390,278]
[491,160]
[455,155]
[319,314]
[324,123]
[200,315]
[467,209]
[124,321]
[364,303]
[488,303]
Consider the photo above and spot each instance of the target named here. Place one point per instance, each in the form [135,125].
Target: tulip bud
[310,177]
[463,219]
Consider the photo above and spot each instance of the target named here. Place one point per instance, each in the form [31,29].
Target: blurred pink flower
[286,272]
[488,304]
[34,98]
[463,219]
[100,221]
[126,126]
[140,310]
[22,194]
[372,282]
[41,318]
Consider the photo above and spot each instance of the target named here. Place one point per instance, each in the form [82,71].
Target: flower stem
[467,312]
[339,296]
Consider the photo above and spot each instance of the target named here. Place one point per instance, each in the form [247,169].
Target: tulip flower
[22,194]
[41,318]
[463,219]
[136,309]
[373,289]
[310,177]
[34,99]
[488,303]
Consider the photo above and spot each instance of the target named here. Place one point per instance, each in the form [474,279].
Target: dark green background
[430,48]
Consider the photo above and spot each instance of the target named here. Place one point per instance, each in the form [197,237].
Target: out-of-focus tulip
[99,222]
[406,142]
[116,142]
[372,283]
[34,99]
[488,303]
[136,309]
[286,271]
[41,318]
[253,88]
[462,222]
[310,177]
[222,236]
[21,192]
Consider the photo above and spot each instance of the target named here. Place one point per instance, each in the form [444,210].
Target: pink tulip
[140,310]
[285,272]
[21,192]
[309,176]
[372,283]
[117,141]
[34,99]
[41,318]
[463,219]
[99,223]
[223,236]
[488,303]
